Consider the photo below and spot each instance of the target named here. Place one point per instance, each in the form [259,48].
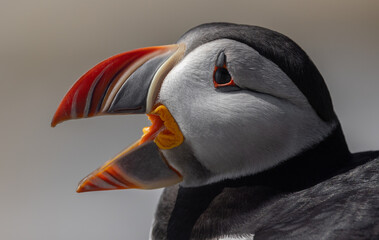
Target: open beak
[125,84]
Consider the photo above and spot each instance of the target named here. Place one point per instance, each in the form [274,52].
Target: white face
[233,132]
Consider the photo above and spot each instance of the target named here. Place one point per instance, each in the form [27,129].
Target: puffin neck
[324,160]
[320,162]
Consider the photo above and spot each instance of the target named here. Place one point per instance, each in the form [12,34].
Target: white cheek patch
[243,132]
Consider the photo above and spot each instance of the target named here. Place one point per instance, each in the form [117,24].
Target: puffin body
[244,138]
[280,203]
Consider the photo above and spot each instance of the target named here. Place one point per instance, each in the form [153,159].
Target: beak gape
[123,84]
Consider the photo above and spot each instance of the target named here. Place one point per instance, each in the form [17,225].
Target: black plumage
[324,193]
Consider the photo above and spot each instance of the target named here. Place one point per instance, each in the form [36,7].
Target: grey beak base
[146,166]
[131,98]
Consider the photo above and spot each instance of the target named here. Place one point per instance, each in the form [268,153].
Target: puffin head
[225,101]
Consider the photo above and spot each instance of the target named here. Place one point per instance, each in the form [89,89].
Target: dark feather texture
[323,193]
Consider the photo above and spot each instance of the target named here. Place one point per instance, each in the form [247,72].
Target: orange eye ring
[229,83]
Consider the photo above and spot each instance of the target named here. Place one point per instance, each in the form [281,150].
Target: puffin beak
[125,84]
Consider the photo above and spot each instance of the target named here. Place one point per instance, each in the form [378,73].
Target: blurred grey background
[46,45]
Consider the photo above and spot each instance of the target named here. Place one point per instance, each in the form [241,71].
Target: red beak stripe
[87,96]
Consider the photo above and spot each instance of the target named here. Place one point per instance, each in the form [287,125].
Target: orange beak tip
[82,188]
[53,124]
[86,188]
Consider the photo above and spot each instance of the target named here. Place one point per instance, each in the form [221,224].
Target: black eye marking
[221,60]
[221,75]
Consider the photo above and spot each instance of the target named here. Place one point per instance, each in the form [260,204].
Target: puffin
[244,139]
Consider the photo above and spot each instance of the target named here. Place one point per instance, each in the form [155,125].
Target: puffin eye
[221,75]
